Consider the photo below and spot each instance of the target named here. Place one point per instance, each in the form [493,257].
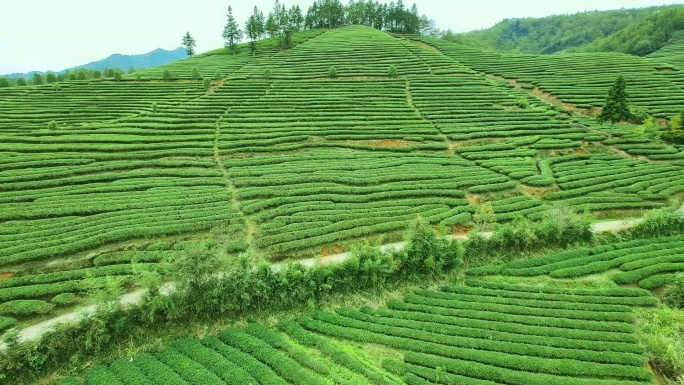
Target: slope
[293,164]
[478,334]
[637,31]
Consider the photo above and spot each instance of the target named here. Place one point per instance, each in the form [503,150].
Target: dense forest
[632,31]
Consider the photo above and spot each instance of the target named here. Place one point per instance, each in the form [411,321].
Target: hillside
[305,152]
[638,32]
[148,60]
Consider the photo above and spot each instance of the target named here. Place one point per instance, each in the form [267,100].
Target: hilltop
[346,138]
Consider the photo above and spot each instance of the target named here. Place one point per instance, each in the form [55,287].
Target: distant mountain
[638,31]
[151,59]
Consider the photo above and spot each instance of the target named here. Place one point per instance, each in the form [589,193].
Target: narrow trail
[409,100]
[37,330]
[250,225]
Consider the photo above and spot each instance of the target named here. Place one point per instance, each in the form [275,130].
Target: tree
[206,83]
[37,79]
[267,74]
[50,78]
[195,74]
[155,107]
[255,28]
[21,82]
[167,75]
[616,108]
[117,75]
[332,72]
[131,70]
[392,72]
[218,75]
[4,83]
[97,74]
[52,125]
[295,18]
[232,33]
[189,44]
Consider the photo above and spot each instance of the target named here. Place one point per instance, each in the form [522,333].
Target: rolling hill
[640,31]
[304,152]
[299,162]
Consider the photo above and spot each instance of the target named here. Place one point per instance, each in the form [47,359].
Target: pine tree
[255,28]
[189,44]
[232,33]
[616,108]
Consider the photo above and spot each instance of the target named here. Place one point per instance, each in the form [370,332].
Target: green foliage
[633,31]
[21,82]
[4,82]
[522,102]
[267,74]
[616,108]
[332,72]
[484,217]
[195,74]
[23,307]
[206,83]
[167,75]
[117,75]
[676,123]
[674,295]
[218,75]
[49,78]
[52,125]
[255,28]
[189,44]
[65,299]
[649,129]
[155,107]
[392,72]
[232,33]
[37,79]
[659,330]
[6,323]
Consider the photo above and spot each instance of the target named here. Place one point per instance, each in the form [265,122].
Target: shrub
[26,307]
[218,75]
[267,74]
[392,72]
[522,102]
[52,125]
[206,83]
[195,74]
[64,299]
[332,72]
[674,294]
[155,107]
[167,75]
[6,323]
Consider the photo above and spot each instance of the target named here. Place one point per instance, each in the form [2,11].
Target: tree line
[38,78]
[281,22]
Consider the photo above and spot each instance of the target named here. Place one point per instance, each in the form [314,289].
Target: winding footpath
[37,330]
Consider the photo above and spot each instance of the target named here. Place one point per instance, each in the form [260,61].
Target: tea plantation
[293,153]
[483,333]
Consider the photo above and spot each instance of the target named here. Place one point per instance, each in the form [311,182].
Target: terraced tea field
[483,333]
[297,163]
[650,263]
[580,79]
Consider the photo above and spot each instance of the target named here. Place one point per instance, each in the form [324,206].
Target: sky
[57,34]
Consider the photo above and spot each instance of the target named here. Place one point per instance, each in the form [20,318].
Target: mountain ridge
[153,58]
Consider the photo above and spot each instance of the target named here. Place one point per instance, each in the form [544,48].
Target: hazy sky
[56,34]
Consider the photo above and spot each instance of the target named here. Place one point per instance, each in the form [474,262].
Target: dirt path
[35,331]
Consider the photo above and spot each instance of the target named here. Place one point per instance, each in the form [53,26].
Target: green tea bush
[64,299]
[22,307]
